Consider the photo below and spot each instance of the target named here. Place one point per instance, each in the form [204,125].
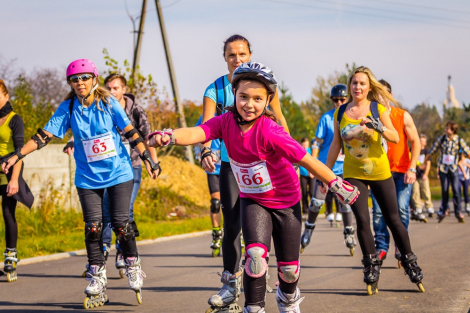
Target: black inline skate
[417,215]
[306,236]
[349,239]
[413,270]
[11,258]
[216,241]
[371,273]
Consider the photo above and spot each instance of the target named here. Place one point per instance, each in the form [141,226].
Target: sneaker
[288,303]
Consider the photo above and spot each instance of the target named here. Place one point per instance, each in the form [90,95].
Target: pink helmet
[82,66]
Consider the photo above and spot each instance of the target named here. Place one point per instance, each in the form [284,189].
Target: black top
[420,172]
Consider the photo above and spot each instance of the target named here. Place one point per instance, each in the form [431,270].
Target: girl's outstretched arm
[181,137]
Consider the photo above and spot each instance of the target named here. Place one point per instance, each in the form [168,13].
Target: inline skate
[106,250]
[216,241]
[95,295]
[136,276]
[10,261]
[413,270]
[417,215]
[225,301]
[349,239]
[242,242]
[398,256]
[460,218]
[306,236]
[371,273]
[467,208]
[254,309]
[430,212]
[119,263]
[288,303]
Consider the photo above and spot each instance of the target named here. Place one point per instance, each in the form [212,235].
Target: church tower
[450,101]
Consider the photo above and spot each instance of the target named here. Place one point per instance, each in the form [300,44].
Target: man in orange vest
[403,168]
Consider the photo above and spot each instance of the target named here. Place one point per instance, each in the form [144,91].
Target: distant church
[450,101]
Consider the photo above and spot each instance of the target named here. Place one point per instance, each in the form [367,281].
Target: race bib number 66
[252,178]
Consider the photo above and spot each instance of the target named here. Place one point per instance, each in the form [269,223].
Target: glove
[154,166]
[375,124]
[344,190]
[205,152]
[68,145]
[165,131]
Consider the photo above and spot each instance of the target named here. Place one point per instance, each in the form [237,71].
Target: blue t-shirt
[325,131]
[89,123]
[229,100]
[215,147]
[303,171]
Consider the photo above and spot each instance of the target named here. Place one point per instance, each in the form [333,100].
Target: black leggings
[384,192]
[230,200]
[306,187]
[259,224]
[120,200]
[11,227]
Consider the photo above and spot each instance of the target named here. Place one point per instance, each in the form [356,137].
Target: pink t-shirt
[266,141]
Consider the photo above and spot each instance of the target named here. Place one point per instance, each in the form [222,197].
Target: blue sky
[415,49]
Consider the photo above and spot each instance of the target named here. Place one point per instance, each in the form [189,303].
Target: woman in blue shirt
[101,163]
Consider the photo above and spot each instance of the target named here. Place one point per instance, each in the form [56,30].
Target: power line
[422,6]
[364,14]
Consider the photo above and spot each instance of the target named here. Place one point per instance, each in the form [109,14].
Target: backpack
[374,109]
[220,95]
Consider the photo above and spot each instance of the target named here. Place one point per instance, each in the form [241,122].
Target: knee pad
[345,208]
[315,205]
[255,263]
[93,231]
[123,231]
[215,206]
[134,227]
[289,271]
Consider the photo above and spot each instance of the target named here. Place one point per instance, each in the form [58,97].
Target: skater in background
[464,178]
[421,187]
[320,146]
[214,190]
[449,145]
[359,127]
[403,168]
[12,186]
[261,154]
[217,97]
[306,181]
[101,163]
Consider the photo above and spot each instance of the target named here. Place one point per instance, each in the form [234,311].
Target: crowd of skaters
[366,145]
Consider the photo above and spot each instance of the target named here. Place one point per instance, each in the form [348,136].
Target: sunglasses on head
[83,78]
[338,99]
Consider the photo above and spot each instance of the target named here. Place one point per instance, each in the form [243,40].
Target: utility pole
[139,40]
[179,108]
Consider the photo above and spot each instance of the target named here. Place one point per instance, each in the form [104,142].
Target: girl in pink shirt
[261,155]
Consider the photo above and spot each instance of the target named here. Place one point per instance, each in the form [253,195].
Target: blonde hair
[100,93]
[378,91]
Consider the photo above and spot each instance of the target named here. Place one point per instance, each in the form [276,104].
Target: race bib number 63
[99,148]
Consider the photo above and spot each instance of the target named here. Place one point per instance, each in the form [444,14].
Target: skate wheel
[138,295]
[209,310]
[122,272]
[84,274]
[371,290]
[425,220]
[399,264]
[302,250]
[215,253]
[351,251]
[86,303]
[11,277]
[421,287]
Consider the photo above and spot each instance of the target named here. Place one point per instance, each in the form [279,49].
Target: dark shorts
[213,181]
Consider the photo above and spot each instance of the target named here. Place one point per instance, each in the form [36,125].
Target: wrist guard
[166,131]
[315,144]
[17,152]
[344,190]
[296,166]
[375,124]
[41,142]
[154,166]
[68,145]
[206,152]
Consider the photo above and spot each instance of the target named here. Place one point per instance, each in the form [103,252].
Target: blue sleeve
[199,121]
[321,129]
[60,121]
[120,118]
[210,92]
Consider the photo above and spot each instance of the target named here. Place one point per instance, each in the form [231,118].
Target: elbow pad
[41,142]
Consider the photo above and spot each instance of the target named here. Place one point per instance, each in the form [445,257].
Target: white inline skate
[96,275]
[254,309]
[136,276]
[225,301]
[288,303]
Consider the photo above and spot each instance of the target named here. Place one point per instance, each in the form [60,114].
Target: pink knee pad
[255,263]
[289,271]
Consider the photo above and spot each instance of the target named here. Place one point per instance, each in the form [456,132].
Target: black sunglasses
[83,78]
[338,99]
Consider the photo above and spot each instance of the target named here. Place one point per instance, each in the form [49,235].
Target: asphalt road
[181,276]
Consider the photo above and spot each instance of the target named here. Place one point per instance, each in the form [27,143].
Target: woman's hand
[324,188]
[208,163]
[152,174]
[12,187]
[9,163]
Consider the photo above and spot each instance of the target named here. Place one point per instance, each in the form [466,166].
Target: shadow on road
[68,306]
[205,256]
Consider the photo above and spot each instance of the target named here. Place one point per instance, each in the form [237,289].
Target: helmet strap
[89,94]
[241,121]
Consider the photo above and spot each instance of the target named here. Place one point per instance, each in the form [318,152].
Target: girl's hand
[12,187]
[324,188]
[9,163]
[158,141]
